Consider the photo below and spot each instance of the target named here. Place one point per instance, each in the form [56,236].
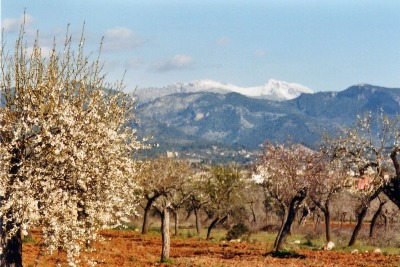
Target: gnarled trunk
[304,214]
[375,218]
[214,223]
[293,208]
[360,219]
[361,216]
[12,249]
[145,226]
[392,188]
[281,227]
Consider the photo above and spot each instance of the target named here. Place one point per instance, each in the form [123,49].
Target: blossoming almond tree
[287,172]
[66,160]
[369,152]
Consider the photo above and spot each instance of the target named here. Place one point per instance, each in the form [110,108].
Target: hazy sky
[322,44]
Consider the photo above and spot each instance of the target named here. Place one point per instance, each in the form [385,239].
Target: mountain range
[214,121]
[272,90]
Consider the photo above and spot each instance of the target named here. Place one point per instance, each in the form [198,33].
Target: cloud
[133,63]
[45,51]
[223,41]
[121,38]
[259,53]
[14,24]
[175,63]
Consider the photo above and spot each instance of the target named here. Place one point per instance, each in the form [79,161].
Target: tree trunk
[327,216]
[176,222]
[12,254]
[165,238]
[281,228]
[392,188]
[385,221]
[375,219]
[293,208]
[145,226]
[361,216]
[342,219]
[196,213]
[211,226]
[360,219]
[214,223]
[253,213]
[304,214]
[317,221]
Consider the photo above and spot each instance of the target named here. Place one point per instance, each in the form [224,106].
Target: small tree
[198,197]
[151,183]
[169,181]
[325,186]
[65,150]
[224,190]
[253,197]
[286,172]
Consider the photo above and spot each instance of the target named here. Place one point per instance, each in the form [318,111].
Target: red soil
[129,248]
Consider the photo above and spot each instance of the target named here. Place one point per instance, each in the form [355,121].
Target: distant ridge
[194,122]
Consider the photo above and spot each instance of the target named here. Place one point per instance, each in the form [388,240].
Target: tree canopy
[65,148]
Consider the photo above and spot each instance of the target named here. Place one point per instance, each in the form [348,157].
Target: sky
[326,45]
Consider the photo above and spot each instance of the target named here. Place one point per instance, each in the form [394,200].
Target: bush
[239,230]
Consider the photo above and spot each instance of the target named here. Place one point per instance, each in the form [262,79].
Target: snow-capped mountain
[272,90]
[278,90]
[198,121]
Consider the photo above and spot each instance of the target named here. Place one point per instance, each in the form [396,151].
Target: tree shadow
[285,254]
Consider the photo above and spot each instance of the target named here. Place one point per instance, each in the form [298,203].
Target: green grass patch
[155,230]
[29,239]
[307,241]
[166,261]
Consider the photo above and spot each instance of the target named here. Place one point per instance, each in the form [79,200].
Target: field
[130,248]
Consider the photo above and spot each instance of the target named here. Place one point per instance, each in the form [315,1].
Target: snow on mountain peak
[272,90]
[284,90]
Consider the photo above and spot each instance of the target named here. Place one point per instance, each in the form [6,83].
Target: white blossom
[65,148]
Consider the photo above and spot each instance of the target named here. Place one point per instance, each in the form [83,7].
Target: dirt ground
[130,248]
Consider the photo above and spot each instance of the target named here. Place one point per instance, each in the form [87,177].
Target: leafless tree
[167,179]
